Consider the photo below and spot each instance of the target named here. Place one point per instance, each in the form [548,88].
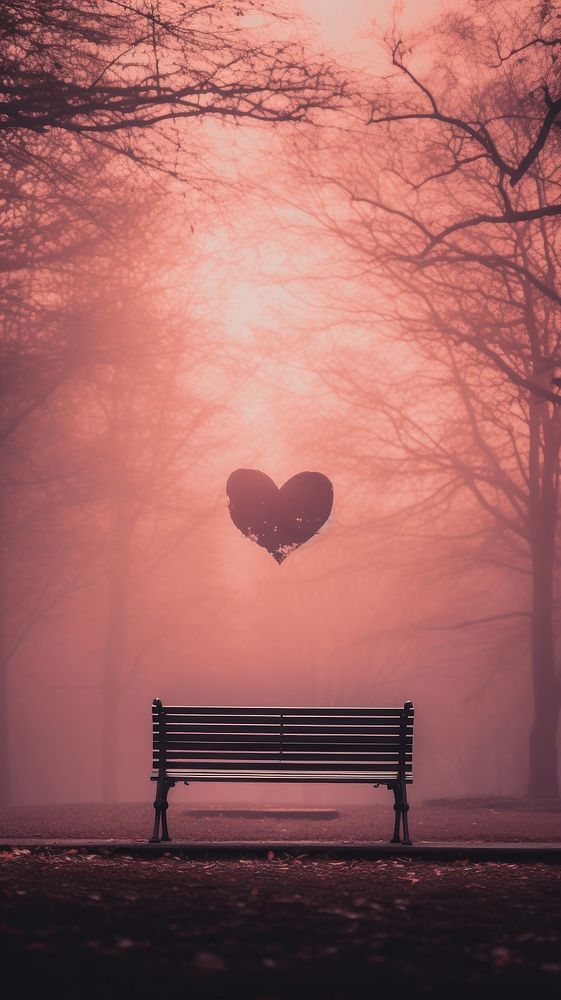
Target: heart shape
[279,519]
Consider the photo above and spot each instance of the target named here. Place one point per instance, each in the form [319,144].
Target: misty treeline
[441,208]
[107,385]
[431,192]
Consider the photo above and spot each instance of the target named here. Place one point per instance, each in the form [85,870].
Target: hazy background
[223,328]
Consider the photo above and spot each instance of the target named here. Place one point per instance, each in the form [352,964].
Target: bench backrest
[231,739]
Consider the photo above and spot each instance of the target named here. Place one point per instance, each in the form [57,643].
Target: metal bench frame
[232,743]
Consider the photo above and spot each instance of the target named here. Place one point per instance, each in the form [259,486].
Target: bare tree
[91,92]
[460,269]
[513,49]
[39,546]
[453,428]
[99,426]
[149,423]
[448,174]
[98,67]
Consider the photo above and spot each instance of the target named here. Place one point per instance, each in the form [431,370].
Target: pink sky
[343,23]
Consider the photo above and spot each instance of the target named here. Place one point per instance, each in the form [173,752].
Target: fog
[239,291]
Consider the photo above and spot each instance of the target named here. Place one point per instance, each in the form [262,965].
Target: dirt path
[279,929]
[133,821]
[284,929]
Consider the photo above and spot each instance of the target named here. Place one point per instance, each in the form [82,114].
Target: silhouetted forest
[228,242]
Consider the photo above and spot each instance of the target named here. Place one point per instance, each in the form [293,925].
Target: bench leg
[165,832]
[396,839]
[401,809]
[404,814]
[161,807]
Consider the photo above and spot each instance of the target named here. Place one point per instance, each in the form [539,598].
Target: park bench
[343,745]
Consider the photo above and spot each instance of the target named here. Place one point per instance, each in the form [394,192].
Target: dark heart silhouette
[279,519]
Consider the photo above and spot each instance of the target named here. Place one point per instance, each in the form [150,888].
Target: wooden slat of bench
[393,735]
[304,721]
[316,732]
[342,777]
[195,727]
[273,710]
[235,758]
[300,756]
[317,725]
[244,743]
[337,739]
[269,729]
[208,732]
[351,734]
[182,742]
[275,765]
[194,753]
[341,715]
[220,716]
[297,721]
[377,774]
[240,713]
[385,727]
[377,739]
[210,752]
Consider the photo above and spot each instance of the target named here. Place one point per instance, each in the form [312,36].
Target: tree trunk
[5,762]
[543,780]
[114,653]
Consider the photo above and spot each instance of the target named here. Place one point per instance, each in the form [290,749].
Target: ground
[281,928]
[445,820]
